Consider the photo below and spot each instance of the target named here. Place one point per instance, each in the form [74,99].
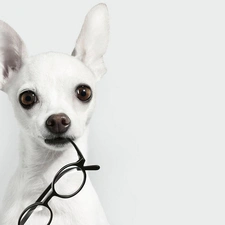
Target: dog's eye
[27,99]
[84,93]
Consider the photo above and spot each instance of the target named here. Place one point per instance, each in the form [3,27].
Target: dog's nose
[58,123]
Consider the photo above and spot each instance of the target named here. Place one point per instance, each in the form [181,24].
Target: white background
[159,124]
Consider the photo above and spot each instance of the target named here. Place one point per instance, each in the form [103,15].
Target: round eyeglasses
[73,174]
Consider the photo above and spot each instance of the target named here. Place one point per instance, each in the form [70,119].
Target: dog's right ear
[12,53]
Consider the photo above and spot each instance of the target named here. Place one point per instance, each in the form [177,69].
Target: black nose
[58,123]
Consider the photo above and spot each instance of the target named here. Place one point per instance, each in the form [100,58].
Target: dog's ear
[93,40]
[12,53]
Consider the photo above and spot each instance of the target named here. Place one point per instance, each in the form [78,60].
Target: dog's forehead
[49,67]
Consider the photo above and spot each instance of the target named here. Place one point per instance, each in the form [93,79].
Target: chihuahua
[53,96]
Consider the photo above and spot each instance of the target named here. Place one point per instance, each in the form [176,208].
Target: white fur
[93,40]
[53,77]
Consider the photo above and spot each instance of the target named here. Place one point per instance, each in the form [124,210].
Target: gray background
[158,128]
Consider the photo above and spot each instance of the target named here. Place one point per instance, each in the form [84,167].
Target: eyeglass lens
[36,213]
[70,181]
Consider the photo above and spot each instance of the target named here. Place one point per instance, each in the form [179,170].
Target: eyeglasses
[74,173]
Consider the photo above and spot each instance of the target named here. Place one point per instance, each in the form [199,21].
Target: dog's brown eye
[28,99]
[84,93]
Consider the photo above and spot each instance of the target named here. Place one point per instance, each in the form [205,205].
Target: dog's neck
[37,161]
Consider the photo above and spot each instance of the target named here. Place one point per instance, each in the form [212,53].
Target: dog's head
[53,94]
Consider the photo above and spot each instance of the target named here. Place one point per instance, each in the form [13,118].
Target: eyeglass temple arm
[77,149]
[92,167]
[44,193]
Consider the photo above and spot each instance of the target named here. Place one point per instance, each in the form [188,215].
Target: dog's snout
[58,123]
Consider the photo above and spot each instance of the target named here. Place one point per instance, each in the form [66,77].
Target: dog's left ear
[93,40]
[12,53]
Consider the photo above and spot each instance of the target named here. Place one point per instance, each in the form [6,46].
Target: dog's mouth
[58,140]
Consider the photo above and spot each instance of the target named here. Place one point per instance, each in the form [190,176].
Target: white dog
[53,96]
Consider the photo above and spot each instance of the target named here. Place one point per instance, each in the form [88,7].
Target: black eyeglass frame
[79,164]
